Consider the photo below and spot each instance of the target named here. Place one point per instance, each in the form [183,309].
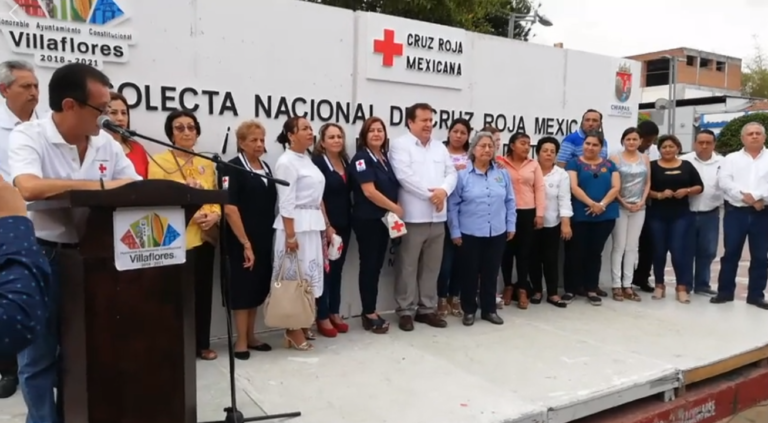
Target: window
[705,63]
[657,73]
[720,66]
[690,60]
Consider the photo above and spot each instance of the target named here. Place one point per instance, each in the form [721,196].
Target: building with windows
[699,74]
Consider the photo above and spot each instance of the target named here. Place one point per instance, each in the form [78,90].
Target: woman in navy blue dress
[330,156]
[374,193]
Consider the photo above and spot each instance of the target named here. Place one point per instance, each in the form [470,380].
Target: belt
[57,245]
[708,211]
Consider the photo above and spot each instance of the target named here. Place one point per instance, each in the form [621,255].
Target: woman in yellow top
[183,130]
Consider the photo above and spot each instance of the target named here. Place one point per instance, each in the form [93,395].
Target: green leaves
[754,76]
[484,16]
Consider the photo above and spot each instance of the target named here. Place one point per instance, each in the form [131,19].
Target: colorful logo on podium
[150,231]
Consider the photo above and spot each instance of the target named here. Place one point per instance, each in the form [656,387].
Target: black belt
[708,211]
[57,245]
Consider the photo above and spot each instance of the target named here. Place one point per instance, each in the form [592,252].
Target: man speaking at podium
[62,152]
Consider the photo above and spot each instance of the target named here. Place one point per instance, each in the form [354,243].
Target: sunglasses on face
[181,128]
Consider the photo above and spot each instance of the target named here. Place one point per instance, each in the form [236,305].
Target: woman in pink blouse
[528,183]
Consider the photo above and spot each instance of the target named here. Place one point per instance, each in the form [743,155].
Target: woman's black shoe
[242,355]
[263,347]
[557,303]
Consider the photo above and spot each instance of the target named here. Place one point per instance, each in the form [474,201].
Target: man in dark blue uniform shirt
[24,271]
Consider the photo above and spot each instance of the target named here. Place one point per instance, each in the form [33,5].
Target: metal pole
[669,96]
[674,96]
[511,27]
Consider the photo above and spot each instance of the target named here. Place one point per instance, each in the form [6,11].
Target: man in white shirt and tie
[20,90]
[64,151]
[744,181]
[427,177]
[706,209]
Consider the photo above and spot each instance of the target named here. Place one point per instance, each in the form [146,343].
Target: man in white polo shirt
[427,177]
[706,209]
[19,88]
[61,152]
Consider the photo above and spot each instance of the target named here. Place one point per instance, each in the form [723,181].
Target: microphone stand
[231,413]
[215,160]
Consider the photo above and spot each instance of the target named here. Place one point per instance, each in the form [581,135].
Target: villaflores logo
[66,31]
[390,49]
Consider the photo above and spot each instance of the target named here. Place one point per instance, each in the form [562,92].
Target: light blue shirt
[572,147]
[483,204]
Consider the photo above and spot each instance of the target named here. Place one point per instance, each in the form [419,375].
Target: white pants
[626,240]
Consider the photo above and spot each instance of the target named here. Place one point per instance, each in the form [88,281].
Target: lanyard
[375,160]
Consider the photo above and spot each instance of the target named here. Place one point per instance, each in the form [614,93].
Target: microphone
[106,124]
[226,141]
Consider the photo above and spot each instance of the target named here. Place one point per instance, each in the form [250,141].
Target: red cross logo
[102,168]
[388,48]
[398,226]
[341,248]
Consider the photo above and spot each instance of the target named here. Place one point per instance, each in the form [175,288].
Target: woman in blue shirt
[595,183]
[481,219]
[374,193]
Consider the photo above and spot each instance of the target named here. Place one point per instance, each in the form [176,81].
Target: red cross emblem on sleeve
[398,226]
[102,168]
[341,248]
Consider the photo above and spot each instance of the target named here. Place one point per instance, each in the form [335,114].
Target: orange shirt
[528,182]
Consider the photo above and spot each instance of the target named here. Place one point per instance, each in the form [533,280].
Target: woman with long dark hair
[374,193]
[119,113]
[530,200]
[595,183]
[330,156]
[448,284]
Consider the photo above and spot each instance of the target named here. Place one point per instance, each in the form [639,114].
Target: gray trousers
[417,265]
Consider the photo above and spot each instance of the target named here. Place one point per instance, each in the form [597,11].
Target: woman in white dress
[301,226]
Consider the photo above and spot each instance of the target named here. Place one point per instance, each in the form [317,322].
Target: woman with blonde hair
[330,156]
[250,215]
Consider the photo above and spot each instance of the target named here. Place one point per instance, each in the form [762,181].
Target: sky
[629,27]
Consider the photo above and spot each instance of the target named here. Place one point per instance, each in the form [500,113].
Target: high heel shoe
[290,343]
[682,295]
[659,292]
[340,326]
[328,332]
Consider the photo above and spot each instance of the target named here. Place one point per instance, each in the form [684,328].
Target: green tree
[729,138]
[754,76]
[641,117]
[484,16]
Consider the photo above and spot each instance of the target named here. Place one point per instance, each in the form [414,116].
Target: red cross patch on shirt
[102,168]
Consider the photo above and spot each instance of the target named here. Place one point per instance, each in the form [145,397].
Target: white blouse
[558,200]
[301,200]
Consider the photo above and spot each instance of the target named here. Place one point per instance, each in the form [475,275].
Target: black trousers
[645,256]
[372,242]
[587,254]
[203,257]
[480,256]
[545,260]
[519,249]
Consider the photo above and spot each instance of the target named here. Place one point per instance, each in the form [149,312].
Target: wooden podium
[127,338]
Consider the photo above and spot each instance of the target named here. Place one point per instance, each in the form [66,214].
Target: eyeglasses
[98,109]
[181,128]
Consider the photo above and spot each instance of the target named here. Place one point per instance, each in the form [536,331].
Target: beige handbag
[290,304]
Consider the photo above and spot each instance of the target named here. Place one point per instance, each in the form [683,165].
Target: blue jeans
[673,234]
[448,282]
[330,302]
[705,236]
[38,364]
[740,224]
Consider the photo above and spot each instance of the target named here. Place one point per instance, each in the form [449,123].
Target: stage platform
[543,365]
